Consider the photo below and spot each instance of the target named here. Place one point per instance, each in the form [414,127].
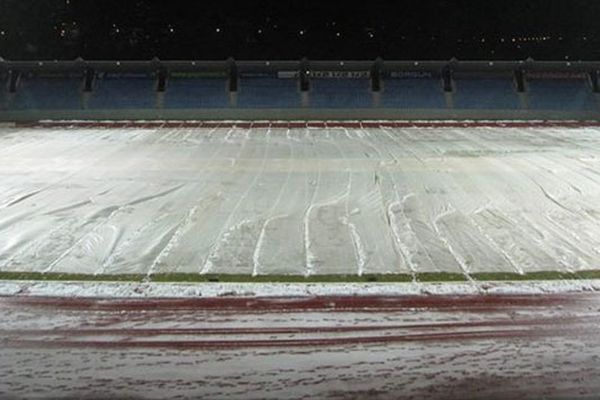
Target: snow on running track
[401,347]
[299,200]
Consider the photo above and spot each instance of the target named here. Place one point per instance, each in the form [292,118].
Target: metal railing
[155,65]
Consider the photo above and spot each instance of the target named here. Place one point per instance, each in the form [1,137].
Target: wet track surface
[446,347]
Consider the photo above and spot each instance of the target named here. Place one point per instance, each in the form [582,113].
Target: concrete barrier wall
[295,114]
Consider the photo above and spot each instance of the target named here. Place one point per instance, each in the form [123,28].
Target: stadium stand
[123,91]
[46,93]
[486,94]
[154,90]
[268,92]
[561,94]
[196,93]
[340,93]
[412,93]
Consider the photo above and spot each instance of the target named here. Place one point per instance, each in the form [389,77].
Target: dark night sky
[291,29]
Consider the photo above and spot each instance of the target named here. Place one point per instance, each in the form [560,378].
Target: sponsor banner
[287,74]
[556,75]
[327,74]
[475,75]
[54,75]
[258,75]
[340,74]
[411,75]
[123,75]
[198,74]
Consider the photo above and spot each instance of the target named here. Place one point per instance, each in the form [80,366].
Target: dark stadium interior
[300,199]
[275,29]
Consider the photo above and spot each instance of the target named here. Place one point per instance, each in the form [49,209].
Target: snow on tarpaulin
[301,201]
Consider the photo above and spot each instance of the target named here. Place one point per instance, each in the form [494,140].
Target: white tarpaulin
[300,201]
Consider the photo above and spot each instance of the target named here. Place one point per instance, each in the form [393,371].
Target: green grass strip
[384,278]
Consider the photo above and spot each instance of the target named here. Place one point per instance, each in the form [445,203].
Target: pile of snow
[186,290]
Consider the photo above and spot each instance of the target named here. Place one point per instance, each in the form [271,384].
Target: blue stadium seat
[413,93]
[486,94]
[38,93]
[123,92]
[561,94]
[197,93]
[259,92]
[340,93]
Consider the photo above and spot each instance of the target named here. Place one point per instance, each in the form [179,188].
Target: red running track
[494,346]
